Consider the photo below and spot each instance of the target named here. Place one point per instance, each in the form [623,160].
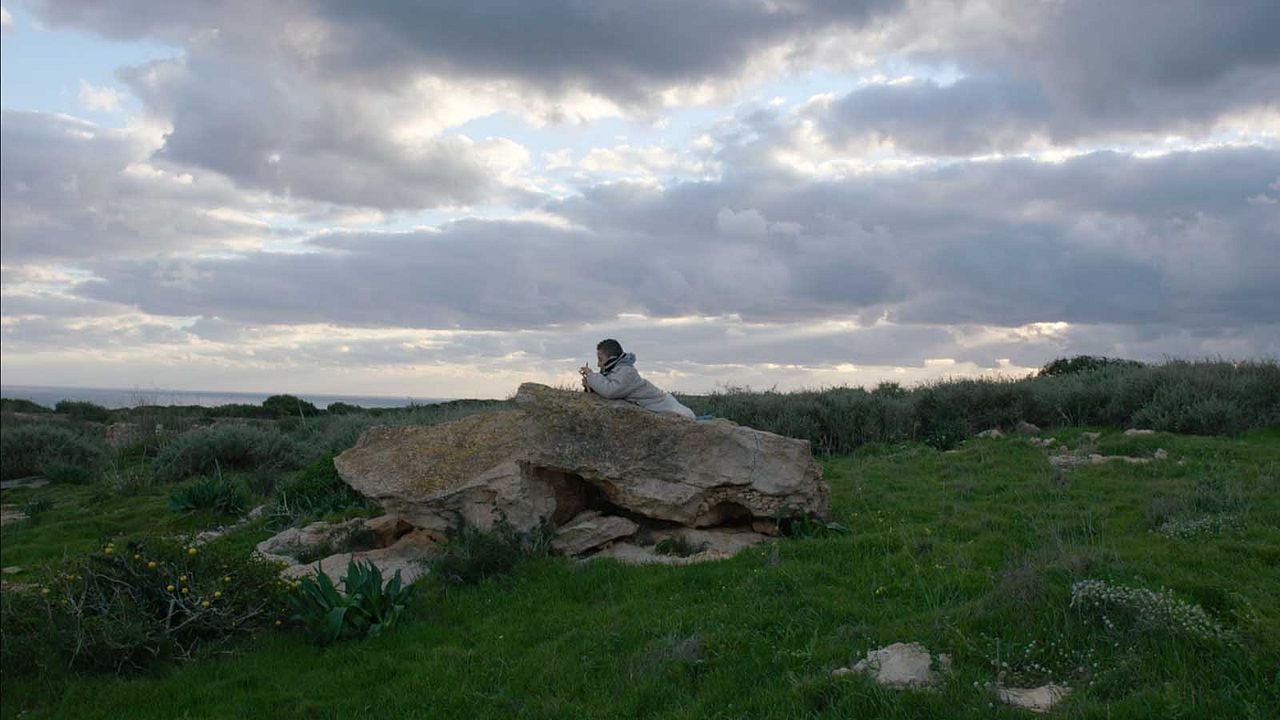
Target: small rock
[1040,700]
[208,535]
[842,672]
[257,512]
[1025,428]
[1043,442]
[1136,431]
[902,665]
[589,530]
[11,514]
[12,570]
[35,481]
[993,433]
[1161,454]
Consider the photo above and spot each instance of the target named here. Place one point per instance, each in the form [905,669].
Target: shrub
[20,405]
[470,554]
[1121,608]
[341,408]
[225,448]
[135,604]
[84,411]
[1084,364]
[315,492]
[678,546]
[289,406]
[366,610]
[216,494]
[57,452]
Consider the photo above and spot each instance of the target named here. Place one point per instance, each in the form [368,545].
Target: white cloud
[106,99]
[6,20]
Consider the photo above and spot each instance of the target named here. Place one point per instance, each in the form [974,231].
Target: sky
[448,199]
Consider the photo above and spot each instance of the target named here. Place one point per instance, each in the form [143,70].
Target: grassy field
[972,552]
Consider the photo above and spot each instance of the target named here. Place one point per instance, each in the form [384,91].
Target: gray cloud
[1105,238]
[613,48]
[280,130]
[71,189]
[973,116]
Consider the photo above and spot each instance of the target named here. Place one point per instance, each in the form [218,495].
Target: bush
[134,605]
[470,554]
[1084,364]
[315,492]
[84,411]
[367,610]
[215,494]
[40,448]
[225,448]
[289,406]
[20,405]
[1201,397]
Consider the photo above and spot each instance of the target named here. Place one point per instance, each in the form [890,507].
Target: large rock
[560,453]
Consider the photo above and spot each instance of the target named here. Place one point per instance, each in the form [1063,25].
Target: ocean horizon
[114,398]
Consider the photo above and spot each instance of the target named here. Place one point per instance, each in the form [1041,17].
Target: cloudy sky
[446,199]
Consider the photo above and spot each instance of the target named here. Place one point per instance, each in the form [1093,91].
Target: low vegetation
[1149,588]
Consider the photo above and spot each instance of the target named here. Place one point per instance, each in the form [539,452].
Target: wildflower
[151,565]
[136,556]
[44,591]
[169,588]
[182,578]
[192,551]
[226,578]
[217,593]
[204,604]
[278,623]
[108,551]
[186,591]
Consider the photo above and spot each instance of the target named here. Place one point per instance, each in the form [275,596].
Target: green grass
[971,552]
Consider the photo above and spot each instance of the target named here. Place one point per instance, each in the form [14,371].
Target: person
[618,380]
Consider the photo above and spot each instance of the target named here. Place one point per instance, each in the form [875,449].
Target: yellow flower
[182,578]
[204,604]
[108,551]
[137,557]
[186,591]
[278,623]
[44,591]
[226,578]
[151,565]
[217,594]
[192,551]
[170,588]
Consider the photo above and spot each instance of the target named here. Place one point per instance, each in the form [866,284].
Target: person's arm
[616,385]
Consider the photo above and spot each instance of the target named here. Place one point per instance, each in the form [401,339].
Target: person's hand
[584,371]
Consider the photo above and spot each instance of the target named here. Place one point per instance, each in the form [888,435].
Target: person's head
[607,350]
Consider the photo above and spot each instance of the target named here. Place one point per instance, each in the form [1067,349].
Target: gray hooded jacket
[618,380]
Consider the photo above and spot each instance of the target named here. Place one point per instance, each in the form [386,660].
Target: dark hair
[611,347]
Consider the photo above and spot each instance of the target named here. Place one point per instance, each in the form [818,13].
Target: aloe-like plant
[367,610]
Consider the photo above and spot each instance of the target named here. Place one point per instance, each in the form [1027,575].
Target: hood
[623,359]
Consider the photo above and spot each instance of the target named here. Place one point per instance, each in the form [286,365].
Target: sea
[121,398]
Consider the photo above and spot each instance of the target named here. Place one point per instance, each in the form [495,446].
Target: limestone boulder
[559,453]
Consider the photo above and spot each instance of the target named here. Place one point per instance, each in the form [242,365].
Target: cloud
[99,98]
[6,20]
[72,189]
[1104,238]
[1088,68]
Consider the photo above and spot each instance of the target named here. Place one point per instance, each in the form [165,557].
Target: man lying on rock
[618,380]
